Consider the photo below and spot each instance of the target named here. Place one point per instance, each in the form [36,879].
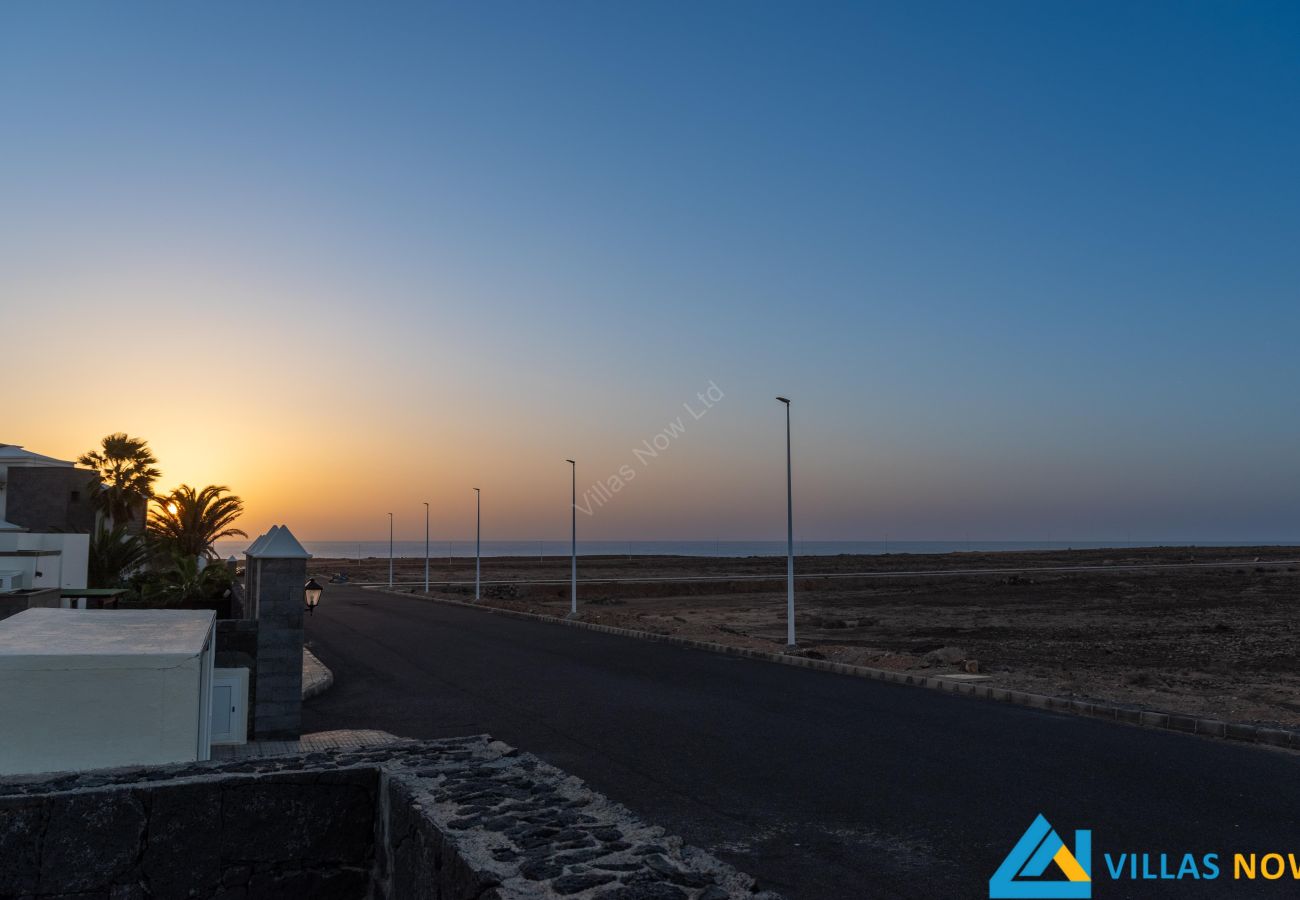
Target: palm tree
[188,522]
[125,466]
[115,554]
[185,582]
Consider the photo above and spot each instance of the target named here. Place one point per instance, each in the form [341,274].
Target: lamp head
[784,400]
[311,592]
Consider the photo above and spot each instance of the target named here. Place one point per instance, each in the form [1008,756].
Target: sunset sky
[1027,270]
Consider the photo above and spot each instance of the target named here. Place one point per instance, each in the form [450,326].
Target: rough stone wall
[50,498]
[237,649]
[277,712]
[233,835]
[458,819]
[491,823]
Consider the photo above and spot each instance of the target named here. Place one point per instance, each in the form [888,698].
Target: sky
[1026,270]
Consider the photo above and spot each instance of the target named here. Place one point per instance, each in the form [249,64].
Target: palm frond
[190,521]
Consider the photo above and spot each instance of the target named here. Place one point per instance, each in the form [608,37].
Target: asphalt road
[823,786]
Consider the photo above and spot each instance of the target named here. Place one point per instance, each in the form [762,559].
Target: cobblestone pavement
[316,678]
[341,740]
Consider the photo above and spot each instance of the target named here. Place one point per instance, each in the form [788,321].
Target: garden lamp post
[311,592]
[426,546]
[390,549]
[789,535]
[478,535]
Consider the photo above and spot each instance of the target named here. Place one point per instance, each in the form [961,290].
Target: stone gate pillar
[275,572]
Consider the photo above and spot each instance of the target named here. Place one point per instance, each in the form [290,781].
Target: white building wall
[95,689]
[61,720]
[62,564]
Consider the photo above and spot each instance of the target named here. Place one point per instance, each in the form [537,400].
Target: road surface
[823,786]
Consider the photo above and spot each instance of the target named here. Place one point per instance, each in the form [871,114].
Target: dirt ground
[1217,641]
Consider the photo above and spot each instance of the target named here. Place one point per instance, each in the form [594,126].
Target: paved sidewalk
[316,678]
[346,739]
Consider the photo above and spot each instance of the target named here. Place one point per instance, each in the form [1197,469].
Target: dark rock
[92,841]
[651,891]
[339,884]
[572,884]
[183,852]
[20,836]
[676,875]
[579,856]
[541,869]
[269,819]
[236,876]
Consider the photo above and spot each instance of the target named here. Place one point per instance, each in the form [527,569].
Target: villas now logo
[1024,874]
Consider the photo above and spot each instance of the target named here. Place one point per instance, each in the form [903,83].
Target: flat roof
[15,455]
[103,638]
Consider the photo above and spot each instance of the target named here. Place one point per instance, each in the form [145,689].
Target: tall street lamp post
[789,535]
[426,546]
[478,539]
[573,577]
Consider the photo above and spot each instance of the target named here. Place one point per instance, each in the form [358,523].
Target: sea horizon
[441,549]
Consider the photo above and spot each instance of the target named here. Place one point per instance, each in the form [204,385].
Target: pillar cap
[278,543]
[260,541]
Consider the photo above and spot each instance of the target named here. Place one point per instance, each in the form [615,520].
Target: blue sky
[1026,268]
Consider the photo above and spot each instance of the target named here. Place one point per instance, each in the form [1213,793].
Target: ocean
[441,549]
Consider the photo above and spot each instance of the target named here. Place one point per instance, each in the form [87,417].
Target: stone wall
[459,819]
[192,833]
[50,498]
[277,710]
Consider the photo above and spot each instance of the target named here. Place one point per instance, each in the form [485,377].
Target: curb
[1184,724]
[316,676]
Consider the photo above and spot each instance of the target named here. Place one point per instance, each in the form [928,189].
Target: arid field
[1219,639]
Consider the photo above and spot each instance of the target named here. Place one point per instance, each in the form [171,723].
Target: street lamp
[573,592]
[312,591]
[789,535]
[426,546]
[390,549]
[478,535]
